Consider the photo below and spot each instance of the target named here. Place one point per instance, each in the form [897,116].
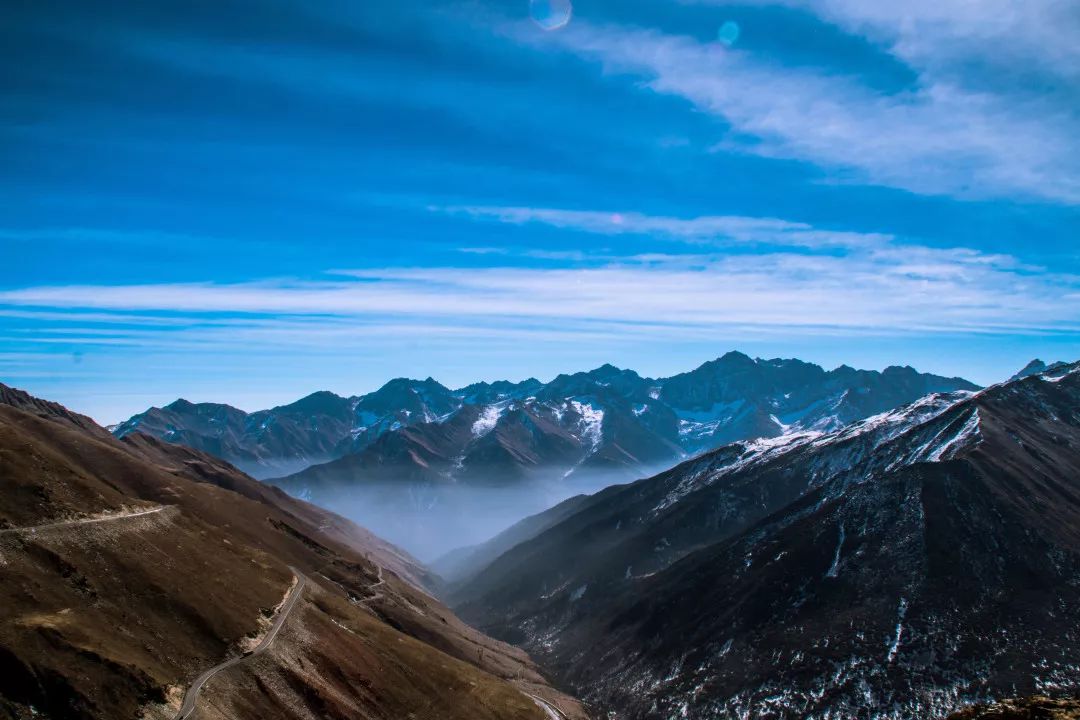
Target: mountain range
[410,447]
[144,579]
[902,566]
[499,432]
[920,562]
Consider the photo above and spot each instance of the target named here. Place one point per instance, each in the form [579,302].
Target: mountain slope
[133,566]
[1036,708]
[898,568]
[266,443]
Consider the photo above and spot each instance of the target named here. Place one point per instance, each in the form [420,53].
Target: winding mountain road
[374,585]
[187,709]
[34,529]
[553,712]
[349,593]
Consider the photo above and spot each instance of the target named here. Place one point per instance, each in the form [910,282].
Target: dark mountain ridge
[901,567]
[1035,367]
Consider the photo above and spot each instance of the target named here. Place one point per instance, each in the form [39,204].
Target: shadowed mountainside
[132,566]
[901,567]
[1035,708]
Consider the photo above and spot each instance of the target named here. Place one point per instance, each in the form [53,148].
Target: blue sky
[248,201]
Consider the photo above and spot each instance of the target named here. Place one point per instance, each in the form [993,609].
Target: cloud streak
[941,136]
[891,289]
[704,229]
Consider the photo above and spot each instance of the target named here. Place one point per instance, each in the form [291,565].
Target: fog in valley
[429,520]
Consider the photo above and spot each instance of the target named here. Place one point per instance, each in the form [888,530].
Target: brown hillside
[183,563]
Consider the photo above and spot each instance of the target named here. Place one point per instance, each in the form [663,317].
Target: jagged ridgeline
[606,417]
[405,458]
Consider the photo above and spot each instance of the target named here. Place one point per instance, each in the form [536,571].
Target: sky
[245,202]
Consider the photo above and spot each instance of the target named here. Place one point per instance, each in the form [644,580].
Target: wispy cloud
[713,228]
[943,136]
[944,36]
[890,289]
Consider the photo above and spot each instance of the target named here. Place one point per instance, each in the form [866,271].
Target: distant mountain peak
[399,383]
[727,361]
[736,356]
[182,405]
[320,401]
[1037,367]
[606,369]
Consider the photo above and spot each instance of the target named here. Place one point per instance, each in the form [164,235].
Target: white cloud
[936,36]
[943,136]
[712,228]
[889,289]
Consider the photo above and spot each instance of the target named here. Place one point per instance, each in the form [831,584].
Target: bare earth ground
[113,617]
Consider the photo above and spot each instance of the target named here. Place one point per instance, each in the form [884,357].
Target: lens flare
[728,33]
[551,14]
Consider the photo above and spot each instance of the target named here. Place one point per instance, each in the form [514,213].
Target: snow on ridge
[592,423]
[960,440]
[945,444]
[751,452]
[887,426]
[1053,375]
[784,429]
[488,419]
[894,422]
[592,430]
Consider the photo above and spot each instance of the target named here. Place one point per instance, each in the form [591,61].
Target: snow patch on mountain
[1059,372]
[488,419]
[945,443]
[591,423]
[784,429]
[719,411]
[591,430]
[901,612]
